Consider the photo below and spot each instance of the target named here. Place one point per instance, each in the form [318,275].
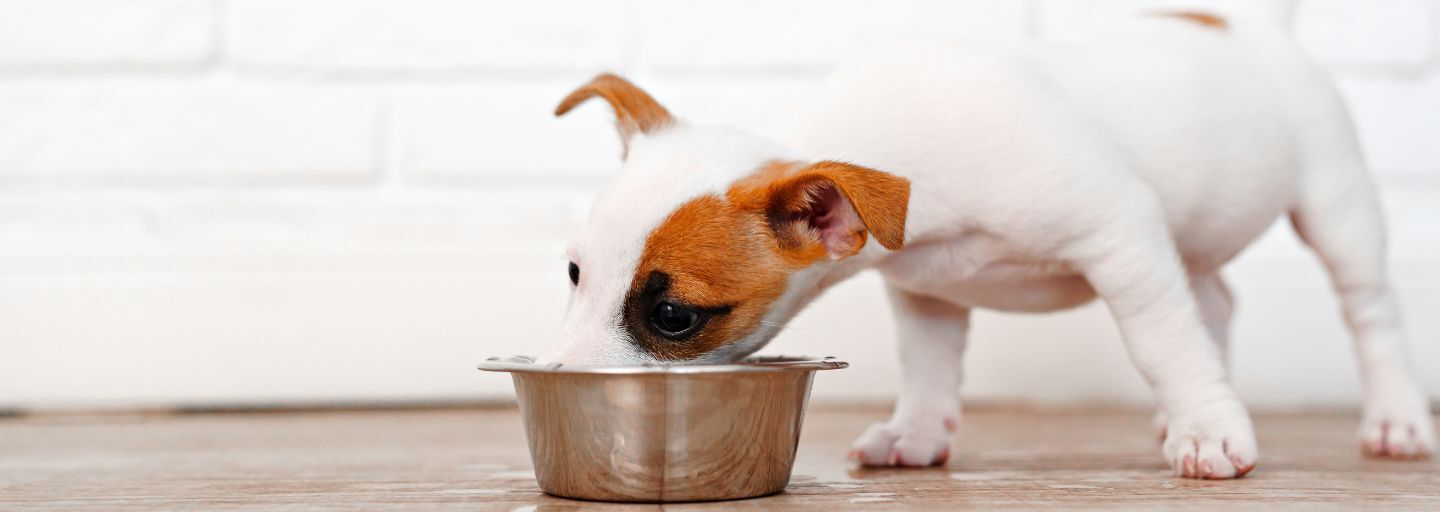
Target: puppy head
[709,239]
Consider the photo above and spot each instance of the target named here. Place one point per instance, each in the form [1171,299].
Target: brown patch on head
[729,258]
[1203,18]
[711,256]
[635,110]
[770,190]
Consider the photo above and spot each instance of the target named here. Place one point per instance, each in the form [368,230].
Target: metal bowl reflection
[664,433]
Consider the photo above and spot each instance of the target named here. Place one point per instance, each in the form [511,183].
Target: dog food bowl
[663,433]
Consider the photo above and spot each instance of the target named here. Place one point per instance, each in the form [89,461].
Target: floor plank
[477,460]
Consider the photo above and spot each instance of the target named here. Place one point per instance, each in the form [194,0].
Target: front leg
[1136,270]
[931,338]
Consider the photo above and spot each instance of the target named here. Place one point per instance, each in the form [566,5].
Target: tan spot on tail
[1203,18]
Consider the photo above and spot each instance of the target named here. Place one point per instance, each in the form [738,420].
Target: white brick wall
[181,130]
[470,131]
[276,200]
[60,35]
[758,36]
[379,37]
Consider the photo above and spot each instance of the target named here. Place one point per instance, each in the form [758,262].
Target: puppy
[1037,178]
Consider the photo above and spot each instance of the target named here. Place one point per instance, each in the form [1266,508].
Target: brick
[398,284]
[803,36]
[410,287]
[506,131]
[740,102]
[502,130]
[292,333]
[343,36]
[59,220]
[185,130]
[105,33]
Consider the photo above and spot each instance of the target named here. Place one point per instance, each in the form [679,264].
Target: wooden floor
[477,460]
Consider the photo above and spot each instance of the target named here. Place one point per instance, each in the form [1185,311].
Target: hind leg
[1217,305]
[1339,217]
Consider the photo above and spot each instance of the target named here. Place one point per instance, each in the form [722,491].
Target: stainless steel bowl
[664,433]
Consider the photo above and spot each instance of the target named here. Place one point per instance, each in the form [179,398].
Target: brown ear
[635,111]
[829,207]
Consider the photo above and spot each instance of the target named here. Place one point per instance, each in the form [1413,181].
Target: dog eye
[674,320]
[574,273]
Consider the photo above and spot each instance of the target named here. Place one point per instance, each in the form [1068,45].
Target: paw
[905,444]
[1397,428]
[1214,448]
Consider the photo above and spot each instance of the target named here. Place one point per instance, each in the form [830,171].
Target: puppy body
[1128,168]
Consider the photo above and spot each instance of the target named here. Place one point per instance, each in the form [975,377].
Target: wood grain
[477,460]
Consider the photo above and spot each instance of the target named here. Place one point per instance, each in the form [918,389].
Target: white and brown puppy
[1034,178]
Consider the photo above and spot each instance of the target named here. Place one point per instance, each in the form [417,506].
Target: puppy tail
[1275,13]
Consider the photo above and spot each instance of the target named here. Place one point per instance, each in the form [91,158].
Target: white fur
[661,172]
[1129,168]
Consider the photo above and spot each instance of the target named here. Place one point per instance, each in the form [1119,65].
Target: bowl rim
[758,364]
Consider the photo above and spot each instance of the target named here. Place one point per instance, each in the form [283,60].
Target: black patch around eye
[662,325]
[574,274]
[657,283]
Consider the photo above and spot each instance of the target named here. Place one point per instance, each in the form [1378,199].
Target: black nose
[574,274]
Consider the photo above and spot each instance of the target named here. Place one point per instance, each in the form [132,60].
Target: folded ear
[826,209]
[635,110]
